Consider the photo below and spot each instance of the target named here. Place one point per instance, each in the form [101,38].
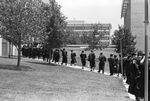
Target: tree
[128,41]
[54,27]
[72,37]
[19,20]
[94,39]
[86,37]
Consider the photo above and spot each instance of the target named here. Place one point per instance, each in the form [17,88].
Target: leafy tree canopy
[128,41]
[95,39]
[22,20]
[55,26]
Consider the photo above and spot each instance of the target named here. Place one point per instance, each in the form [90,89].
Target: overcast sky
[93,11]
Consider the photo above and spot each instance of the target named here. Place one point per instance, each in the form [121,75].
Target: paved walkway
[96,71]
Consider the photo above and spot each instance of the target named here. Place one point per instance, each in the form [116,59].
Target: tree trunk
[19,57]
[19,52]
[50,56]
[9,50]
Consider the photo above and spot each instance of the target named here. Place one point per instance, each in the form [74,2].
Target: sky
[93,11]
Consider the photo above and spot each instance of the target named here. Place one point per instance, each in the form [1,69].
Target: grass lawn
[40,81]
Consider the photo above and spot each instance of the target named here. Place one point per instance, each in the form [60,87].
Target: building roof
[124,8]
[88,26]
[75,22]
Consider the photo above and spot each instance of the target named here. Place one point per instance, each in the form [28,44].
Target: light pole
[121,51]
[146,53]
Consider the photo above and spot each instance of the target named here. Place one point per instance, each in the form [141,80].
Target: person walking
[64,57]
[111,64]
[116,65]
[54,56]
[57,56]
[73,58]
[83,59]
[127,63]
[136,85]
[102,60]
[91,59]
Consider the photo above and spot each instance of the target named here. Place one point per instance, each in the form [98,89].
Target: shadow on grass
[11,57]
[42,63]
[14,67]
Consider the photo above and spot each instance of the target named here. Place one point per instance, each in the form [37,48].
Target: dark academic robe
[64,56]
[102,60]
[91,59]
[136,83]
[116,65]
[73,58]
[83,59]
[127,63]
[111,65]
[54,55]
[57,56]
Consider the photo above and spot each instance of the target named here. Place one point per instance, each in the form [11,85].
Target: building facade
[7,49]
[133,13]
[81,27]
[77,26]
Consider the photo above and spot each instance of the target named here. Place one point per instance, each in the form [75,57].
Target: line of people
[134,71]
[133,68]
[133,65]
[83,56]
[55,56]
[113,60]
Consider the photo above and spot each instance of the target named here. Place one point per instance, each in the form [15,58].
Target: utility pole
[121,51]
[146,53]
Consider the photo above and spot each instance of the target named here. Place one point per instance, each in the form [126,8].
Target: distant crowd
[133,65]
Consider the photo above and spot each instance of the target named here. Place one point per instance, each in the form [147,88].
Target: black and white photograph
[74,50]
